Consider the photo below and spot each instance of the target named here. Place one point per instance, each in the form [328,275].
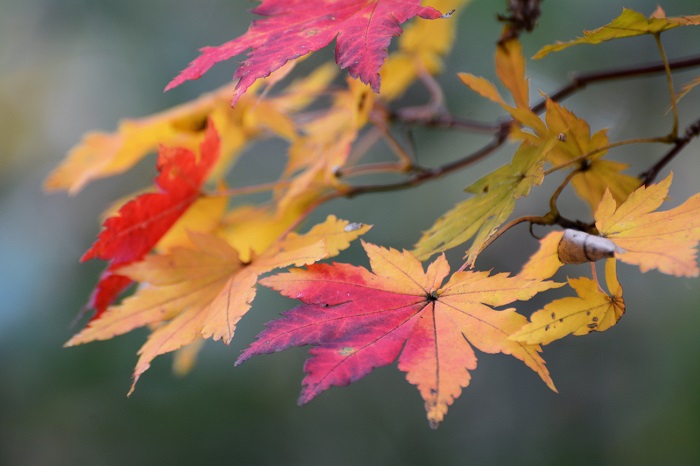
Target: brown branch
[443,120]
[691,132]
[579,81]
[501,130]
[422,175]
[523,17]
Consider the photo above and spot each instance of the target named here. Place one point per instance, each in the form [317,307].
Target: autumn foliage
[193,251]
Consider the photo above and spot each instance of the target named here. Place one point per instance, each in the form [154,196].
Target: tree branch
[425,174]
[501,130]
[691,132]
[579,81]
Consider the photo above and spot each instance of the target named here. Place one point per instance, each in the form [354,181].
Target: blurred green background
[628,396]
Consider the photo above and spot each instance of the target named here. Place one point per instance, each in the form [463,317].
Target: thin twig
[669,79]
[536,220]
[502,129]
[445,121]
[425,174]
[579,81]
[581,158]
[691,132]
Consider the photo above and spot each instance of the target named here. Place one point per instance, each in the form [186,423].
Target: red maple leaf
[357,320]
[294,28]
[140,223]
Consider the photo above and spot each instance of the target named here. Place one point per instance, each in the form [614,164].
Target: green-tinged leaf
[494,201]
[629,24]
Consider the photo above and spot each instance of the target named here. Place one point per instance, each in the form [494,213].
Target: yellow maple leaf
[631,232]
[545,262]
[666,240]
[102,154]
[592,311]
[510,68]
[185,277]
[573,133]
[629,24]
[204,215]
[575,141]
[203,291]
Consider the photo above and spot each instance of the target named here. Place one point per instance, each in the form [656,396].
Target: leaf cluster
[195,250]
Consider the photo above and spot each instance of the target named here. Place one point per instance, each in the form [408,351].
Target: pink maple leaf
[293,28]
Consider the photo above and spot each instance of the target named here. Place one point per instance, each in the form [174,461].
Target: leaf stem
[532,219]
[669,79]
[594,275]
[581,158]
[553,209]
[422,174]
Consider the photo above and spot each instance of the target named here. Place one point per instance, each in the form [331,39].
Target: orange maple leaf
[204,290]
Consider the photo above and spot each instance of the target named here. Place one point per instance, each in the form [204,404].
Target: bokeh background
[628,396]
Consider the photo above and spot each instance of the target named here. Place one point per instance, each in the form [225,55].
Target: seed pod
[577,247]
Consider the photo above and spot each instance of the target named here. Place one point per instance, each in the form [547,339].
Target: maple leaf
[510,68]
[358,320]
[493,203]
[593,310]
[631,232]
[576,143]
[204,290]
[545,262]
[573,133]
[629,24]
[666,240]
[362,30]
[138,226]
[102,154]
